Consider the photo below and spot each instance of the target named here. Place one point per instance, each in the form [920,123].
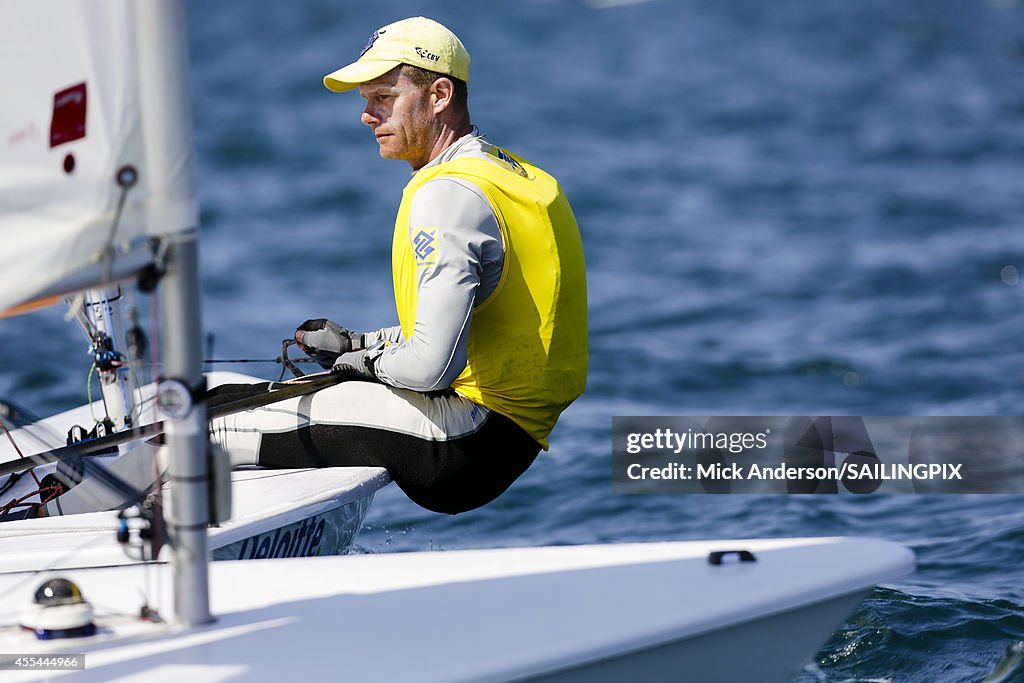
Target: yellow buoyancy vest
[527,352]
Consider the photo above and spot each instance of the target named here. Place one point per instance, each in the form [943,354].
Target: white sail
[71,126]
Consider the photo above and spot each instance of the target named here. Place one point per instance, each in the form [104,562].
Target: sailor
[457,400]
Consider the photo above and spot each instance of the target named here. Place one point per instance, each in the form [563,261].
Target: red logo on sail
[68,122]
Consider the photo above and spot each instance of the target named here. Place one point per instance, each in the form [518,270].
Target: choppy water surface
[788,208]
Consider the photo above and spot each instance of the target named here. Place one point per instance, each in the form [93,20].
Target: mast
[173,213]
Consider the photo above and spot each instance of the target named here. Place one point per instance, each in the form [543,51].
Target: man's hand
[324,340]
[358,365]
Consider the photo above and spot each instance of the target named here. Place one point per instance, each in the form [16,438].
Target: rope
[108,249]
[288,390]
[88,392]
[259,360]
[10,437]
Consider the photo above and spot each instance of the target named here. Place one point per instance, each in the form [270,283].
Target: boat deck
[652,612]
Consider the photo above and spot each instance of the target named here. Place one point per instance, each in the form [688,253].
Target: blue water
[793,207]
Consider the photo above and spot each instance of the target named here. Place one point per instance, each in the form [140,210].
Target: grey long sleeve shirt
[465,271]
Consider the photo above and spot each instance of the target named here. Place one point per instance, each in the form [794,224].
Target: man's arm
[463,272]
[391,334]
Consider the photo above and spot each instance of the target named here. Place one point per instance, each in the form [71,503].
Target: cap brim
[356,73]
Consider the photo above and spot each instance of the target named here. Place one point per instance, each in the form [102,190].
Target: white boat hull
[275,513]
[647,612]
[330,532]
[767,650]
[320,511]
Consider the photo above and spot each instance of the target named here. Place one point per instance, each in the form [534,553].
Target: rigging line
[10,437]
[108,248]
[88,393]
[20,502]
[135,362]
[3,423]
[154,348]
[30,427]
[11,481]
[110,314]
[260,360]
[101,473]
[125,398]
[288,390]
[76,312]
[157,524]
[138,402]
[144,402]
[136,367]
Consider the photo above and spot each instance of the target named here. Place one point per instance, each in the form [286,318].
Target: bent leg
[445,452]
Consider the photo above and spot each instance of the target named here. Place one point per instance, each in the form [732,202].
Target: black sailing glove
[324,340]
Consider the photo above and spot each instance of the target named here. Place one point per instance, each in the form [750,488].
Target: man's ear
[442,90]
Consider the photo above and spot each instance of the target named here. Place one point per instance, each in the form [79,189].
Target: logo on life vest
[424,248]
[504,156]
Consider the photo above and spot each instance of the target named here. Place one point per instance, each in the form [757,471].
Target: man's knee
[472,483]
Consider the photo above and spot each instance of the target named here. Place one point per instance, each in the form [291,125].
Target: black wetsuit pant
[448,473]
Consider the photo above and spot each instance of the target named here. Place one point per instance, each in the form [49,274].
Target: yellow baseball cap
[417,41]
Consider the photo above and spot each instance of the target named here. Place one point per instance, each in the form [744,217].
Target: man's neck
[447,136]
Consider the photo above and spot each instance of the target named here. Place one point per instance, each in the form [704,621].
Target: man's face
[401,116]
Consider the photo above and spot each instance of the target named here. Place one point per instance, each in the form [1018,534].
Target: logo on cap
[373,39]
[427,55]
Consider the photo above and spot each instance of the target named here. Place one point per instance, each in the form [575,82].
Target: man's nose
[368,118]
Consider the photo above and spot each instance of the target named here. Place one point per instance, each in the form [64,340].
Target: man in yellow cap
[458,399]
